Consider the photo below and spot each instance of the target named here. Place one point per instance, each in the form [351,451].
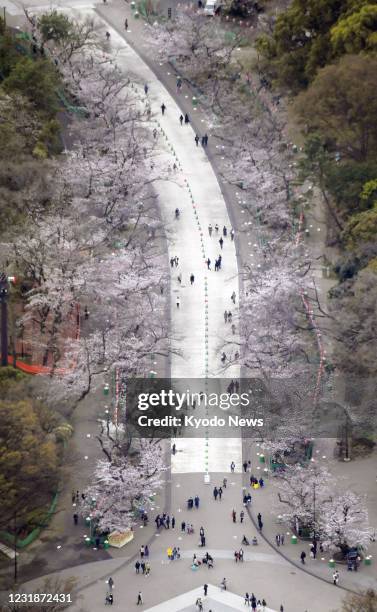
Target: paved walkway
[198,323]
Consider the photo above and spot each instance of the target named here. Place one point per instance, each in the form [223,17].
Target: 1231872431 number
[40,598]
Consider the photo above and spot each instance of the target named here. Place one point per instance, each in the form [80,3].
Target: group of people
[203,140]
[174,261]
[254,603]
[193,501]
[228,319]
[164,521]
[206,560]
[218,492]
[247,499]
[144,566]
[173,553]
[280,539]
[185,119]
[234,516]
[246,542]
[255,483]
[225,231]
[187,528]
[238,555]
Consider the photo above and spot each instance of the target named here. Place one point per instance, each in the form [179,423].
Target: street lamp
[4,294]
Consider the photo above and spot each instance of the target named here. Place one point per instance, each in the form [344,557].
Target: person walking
[197,140]
[225,482]
[260,523]
[187,120]
[205,589]
[210,229]
[220,493]
[108,35]
[179,84]
[110,582]
[192,278]
[75,518]
[126,27]
[232,465]
[242,516]
[216,228]
[172,522]
[196,501]
[233,297]
[335,577]
[208,262]
[183,526]
[203,142]
[221,241]
[146,88]
[142,551]
[223,584]
[110,599]
[215,493]
[163,109]
[139,599]
[181,119]
[247,599]
[303,557]
[234,516]
[253,602]
[232,234]
[178,301]
[225,232]
[205,138]
[137,567]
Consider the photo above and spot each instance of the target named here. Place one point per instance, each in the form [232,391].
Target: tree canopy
[28,462]
[37,80]
[356,32]
[312,33]
[341,105]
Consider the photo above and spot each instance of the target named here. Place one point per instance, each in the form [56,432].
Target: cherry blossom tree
[103,195]
[344,522]
[301,492]
[123,486]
